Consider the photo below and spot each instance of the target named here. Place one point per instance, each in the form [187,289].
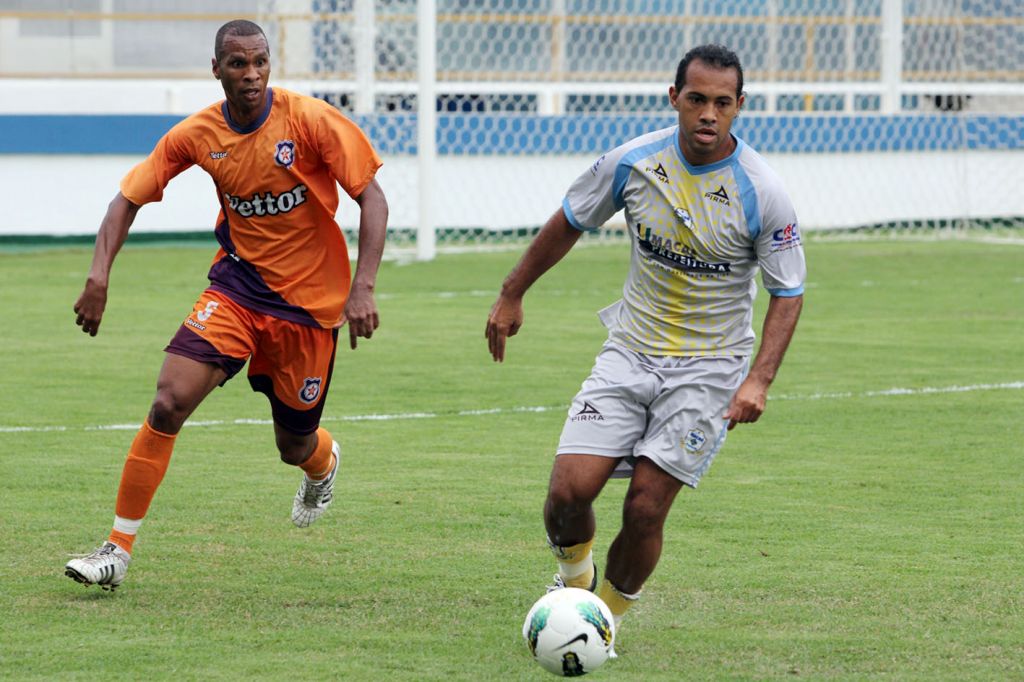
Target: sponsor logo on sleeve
[786,238]
[593,169]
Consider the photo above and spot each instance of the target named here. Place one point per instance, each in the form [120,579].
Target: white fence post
[892,55]
[426,126]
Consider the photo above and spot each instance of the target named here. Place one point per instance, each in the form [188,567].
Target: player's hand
[360,314]
[90,306]
[747,405]
[504,321]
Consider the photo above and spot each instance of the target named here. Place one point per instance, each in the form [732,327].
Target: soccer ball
[569,631]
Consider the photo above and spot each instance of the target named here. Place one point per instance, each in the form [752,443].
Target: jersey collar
[707,168]
[244,130]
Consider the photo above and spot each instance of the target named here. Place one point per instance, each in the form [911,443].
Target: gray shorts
[668,409]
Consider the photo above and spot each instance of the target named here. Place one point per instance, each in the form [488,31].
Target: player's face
[707,105]
[243,71]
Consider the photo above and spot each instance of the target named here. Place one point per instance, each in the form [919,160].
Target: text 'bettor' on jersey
[267,203]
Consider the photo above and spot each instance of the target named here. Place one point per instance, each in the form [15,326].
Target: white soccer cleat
[314,497]
[558,582]
[106,567]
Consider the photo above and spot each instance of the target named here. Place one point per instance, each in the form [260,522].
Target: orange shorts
[289,362]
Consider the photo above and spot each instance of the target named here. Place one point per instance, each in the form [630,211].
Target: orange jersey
[281,252]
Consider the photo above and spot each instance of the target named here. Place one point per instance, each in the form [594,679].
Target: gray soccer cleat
[106,567]
[313,497]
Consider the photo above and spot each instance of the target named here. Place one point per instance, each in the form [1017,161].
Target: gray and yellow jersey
[699,235]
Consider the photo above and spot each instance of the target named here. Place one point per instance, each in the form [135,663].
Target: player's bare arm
[112,233]
[779,323]
[361,309]
[550,245]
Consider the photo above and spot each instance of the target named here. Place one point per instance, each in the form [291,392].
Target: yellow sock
[619,602]
[575,563]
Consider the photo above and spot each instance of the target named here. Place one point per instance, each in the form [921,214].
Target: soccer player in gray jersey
[705,213]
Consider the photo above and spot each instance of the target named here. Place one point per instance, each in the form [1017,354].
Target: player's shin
[144,469]
[319,464]
[575,564]
[618,601]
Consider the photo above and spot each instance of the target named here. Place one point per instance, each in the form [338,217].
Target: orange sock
[122,540]
[145,467]
[320,463]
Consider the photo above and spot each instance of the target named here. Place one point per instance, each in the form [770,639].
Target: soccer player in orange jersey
[280,284]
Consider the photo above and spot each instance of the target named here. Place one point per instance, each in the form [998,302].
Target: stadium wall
[511,170]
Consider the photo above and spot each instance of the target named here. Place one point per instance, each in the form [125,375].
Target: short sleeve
[145,182]
[780,252]
[346,150]
[591,199]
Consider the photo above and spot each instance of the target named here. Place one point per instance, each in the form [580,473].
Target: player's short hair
[238,27]
[718,56]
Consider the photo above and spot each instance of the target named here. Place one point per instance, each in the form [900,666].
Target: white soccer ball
[569,631]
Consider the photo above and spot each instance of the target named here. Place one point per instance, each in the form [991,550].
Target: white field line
[889,392]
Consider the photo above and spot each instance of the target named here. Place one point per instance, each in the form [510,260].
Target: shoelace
[559,583]
[95,554]
[313,490]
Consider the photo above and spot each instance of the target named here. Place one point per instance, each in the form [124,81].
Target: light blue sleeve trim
[787,293]
[572,219]
[748,195]
[629,159]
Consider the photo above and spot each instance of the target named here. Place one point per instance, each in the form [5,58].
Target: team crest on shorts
[694,440]
[285,153]
[310,390]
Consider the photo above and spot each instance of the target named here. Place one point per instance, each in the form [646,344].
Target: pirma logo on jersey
[719,196]
[310,390]
[285,153]
[588,413]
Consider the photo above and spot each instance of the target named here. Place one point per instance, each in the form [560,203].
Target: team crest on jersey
[310,390]
[285,154]
[694,440]
[684,217]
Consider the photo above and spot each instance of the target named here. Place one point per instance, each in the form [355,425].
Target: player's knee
[294,450]
[563,505]
[642,515]
[167,414]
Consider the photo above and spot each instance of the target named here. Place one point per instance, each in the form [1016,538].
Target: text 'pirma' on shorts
[291,363]
[666,408]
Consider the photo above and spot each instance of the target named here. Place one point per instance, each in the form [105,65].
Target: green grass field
[856,532]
